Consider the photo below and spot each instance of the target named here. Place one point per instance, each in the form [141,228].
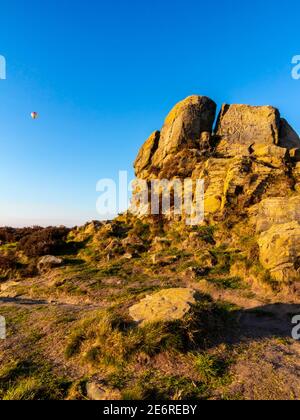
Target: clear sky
[103,76]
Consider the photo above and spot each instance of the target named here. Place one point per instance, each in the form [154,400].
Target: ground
[70,326]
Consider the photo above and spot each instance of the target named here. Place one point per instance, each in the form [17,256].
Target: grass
[25,380]
[212,370]
[8,247]
[227,283]
[206,233]
[265,276]
[109,338]
[152,385]
[224,258]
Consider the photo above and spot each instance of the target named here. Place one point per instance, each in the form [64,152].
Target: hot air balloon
[34,115]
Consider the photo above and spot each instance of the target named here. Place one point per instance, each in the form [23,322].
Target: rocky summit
[250,163]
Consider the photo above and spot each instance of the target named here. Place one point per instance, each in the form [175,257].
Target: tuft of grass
[152,385]
[25,380]
[211,368]
[206,233]
[225,259]
[232,283]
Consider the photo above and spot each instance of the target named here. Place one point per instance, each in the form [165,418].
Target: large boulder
[241,126]
[164,306]
[144,158]
[280,251]
[188,126]
[175,151]
[250,164]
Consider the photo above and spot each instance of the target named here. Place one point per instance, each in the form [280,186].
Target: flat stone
[164,306]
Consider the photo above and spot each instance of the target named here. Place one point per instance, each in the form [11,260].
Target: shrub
[49,241]
[211,368]
[7,263]
[11,235]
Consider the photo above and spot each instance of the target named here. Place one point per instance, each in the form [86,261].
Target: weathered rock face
[186,132]
[241,126]
[277,222]
[144,159]
[276,211]
[296,174]
[164,306]
[184,127]
[280,251]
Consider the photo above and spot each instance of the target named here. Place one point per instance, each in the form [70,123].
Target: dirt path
[23,301]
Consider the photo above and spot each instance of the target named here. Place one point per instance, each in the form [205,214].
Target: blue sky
[103,76]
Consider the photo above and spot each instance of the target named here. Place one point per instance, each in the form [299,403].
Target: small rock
[128,256]
[159,260]
[96,392]
[270,154]
[49,262]
[132,241]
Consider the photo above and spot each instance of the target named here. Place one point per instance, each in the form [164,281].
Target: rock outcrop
[186,133]
[276,211]
[144,159]
[280,251]
[250,164]
[277,222]
[240,126]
